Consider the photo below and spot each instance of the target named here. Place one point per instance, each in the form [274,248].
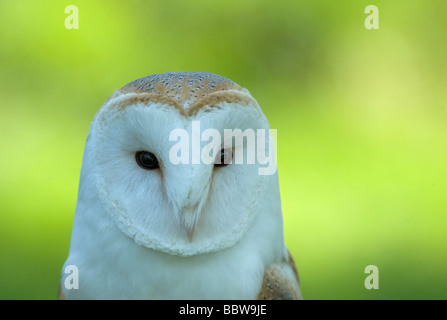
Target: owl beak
[189,234]
[190,209]
[188,195]
[189,216]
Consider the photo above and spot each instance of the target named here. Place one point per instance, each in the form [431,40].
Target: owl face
[150,145]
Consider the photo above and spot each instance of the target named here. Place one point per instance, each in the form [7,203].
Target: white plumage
[178,231]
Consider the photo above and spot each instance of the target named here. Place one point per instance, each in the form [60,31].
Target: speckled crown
[186,91]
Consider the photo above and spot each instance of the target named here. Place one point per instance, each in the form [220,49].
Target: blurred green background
[360,114]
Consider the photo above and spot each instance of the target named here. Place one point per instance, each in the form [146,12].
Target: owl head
[181,161]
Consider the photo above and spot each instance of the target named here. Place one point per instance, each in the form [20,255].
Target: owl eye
[223,158]
[146,160]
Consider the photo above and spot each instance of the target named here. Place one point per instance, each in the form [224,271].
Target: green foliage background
[360,115]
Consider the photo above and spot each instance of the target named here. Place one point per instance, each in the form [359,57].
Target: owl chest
[215,276]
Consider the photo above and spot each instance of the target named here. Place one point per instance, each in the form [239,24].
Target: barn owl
[152,223]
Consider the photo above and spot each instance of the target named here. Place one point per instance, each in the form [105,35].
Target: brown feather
[188,92]
[281,282]
[60,294]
